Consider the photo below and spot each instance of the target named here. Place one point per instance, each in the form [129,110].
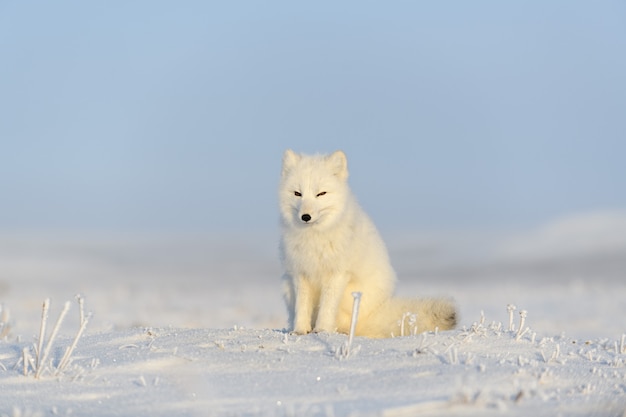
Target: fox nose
[306,218]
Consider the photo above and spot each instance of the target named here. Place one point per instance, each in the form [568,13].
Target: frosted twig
[346,348]
[522,315]
[454,356]
[413,323]
[66,357]
[521,334]
[511,308]
[25,357]
[622,347]
[81,308]
[404,317]
[421,348]
[42,330]
[55,330]
[521,331]
[355,318]
[4,322]
[557,352]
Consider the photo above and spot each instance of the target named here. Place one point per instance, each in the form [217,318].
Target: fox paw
[323,330]
[300,331]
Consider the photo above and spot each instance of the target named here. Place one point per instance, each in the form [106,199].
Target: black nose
[306,218]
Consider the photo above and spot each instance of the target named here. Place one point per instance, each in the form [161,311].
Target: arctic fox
[330,248]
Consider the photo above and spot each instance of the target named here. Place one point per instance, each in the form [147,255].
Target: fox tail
[404,316]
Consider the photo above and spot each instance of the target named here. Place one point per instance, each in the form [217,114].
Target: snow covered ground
[193,326]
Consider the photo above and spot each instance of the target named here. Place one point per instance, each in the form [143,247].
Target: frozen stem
[353,322]
[81,308]
[511,308]
[68,353]
[4,322]
[454,356]
[55,330]
[25,359]
[42,330]
[404,317]
[413,323]
[521,331]
[521,334]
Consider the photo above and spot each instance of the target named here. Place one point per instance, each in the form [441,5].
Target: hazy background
[161,117]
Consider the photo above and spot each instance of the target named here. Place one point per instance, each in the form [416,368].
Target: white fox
[330,248]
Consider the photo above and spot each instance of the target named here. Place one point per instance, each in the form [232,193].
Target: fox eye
[321,194]
[297,193]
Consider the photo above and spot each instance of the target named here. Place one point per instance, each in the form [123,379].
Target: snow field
[483,369]
[189,328]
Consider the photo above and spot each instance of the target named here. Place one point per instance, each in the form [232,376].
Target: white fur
[330,248]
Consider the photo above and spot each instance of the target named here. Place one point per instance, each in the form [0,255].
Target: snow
[194,327]
[481,370]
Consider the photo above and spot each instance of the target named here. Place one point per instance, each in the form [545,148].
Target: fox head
[313,189]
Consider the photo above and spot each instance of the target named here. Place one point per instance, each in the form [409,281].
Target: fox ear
[339,163]
[290,159]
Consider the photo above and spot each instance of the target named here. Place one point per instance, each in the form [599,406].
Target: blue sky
[173,116]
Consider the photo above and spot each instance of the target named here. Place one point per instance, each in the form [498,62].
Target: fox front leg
[303,311]
[330,297]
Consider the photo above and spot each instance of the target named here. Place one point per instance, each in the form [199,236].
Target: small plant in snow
[479,329]
[345,349]
[521,331]
[83,325]
[522,314]
[555,356]
[413,323]
[411,320]
[453,355]
[511,308]
[18,412]
[5,328]
[41,358]
[423,348]
[43,352]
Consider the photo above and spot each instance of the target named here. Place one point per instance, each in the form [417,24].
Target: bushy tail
[403,316]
